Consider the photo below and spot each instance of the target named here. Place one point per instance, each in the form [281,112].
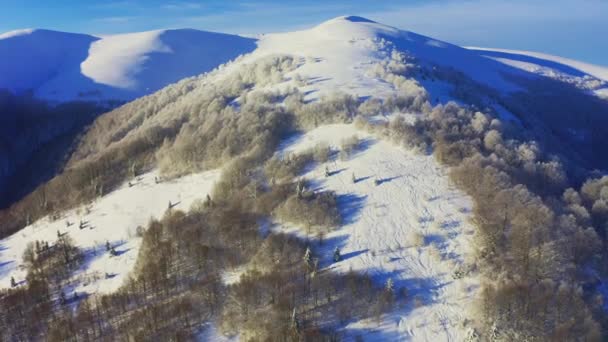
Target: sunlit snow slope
[113,218]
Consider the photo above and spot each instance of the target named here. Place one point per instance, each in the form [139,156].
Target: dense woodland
[540,237]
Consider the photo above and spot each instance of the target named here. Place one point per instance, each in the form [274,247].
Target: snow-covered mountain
[62,66]
[404,222]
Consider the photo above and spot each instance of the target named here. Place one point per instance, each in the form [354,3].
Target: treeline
[31,311]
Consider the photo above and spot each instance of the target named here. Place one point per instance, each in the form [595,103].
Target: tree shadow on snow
[4,267]
[362,179]
[387,180]
[349,206]
[336,172]
[347,256]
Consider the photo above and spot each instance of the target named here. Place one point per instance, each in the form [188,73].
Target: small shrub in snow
[348,146]
[435,253]
[321,152]
[313,210]
[286,168]
[415,239]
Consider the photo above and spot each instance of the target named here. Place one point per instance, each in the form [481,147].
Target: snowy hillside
[409,162]
[412,228]
[63,66]
[585,75]
[114,219]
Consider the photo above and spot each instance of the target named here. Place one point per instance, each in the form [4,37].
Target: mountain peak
[355,27]
[356,19]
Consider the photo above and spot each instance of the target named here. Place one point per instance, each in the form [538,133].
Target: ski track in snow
[114,218]
[414,195]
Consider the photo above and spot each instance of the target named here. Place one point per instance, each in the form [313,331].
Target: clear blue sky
[570,28]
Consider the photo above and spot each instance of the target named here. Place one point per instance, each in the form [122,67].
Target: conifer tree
[308,257]
[390,285]
[337,255]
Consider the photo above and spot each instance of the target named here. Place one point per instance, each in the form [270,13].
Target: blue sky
[570,28]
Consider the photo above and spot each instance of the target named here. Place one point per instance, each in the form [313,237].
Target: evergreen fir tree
[13,282]
[337,255]
[208,202]
[390,285]
[308,257]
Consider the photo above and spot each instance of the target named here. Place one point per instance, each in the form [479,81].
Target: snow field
[412,227]
[114,218]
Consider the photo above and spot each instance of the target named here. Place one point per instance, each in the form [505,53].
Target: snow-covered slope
[114,219]
[64,66]
[345,47]
[584,75]
[30,58]
[559,63]
[382,224]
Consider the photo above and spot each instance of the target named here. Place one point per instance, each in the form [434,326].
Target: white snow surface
[584,75]
[62,66]
[340,52]
[414,196]
[598,71]
[115,60]
[113,218]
